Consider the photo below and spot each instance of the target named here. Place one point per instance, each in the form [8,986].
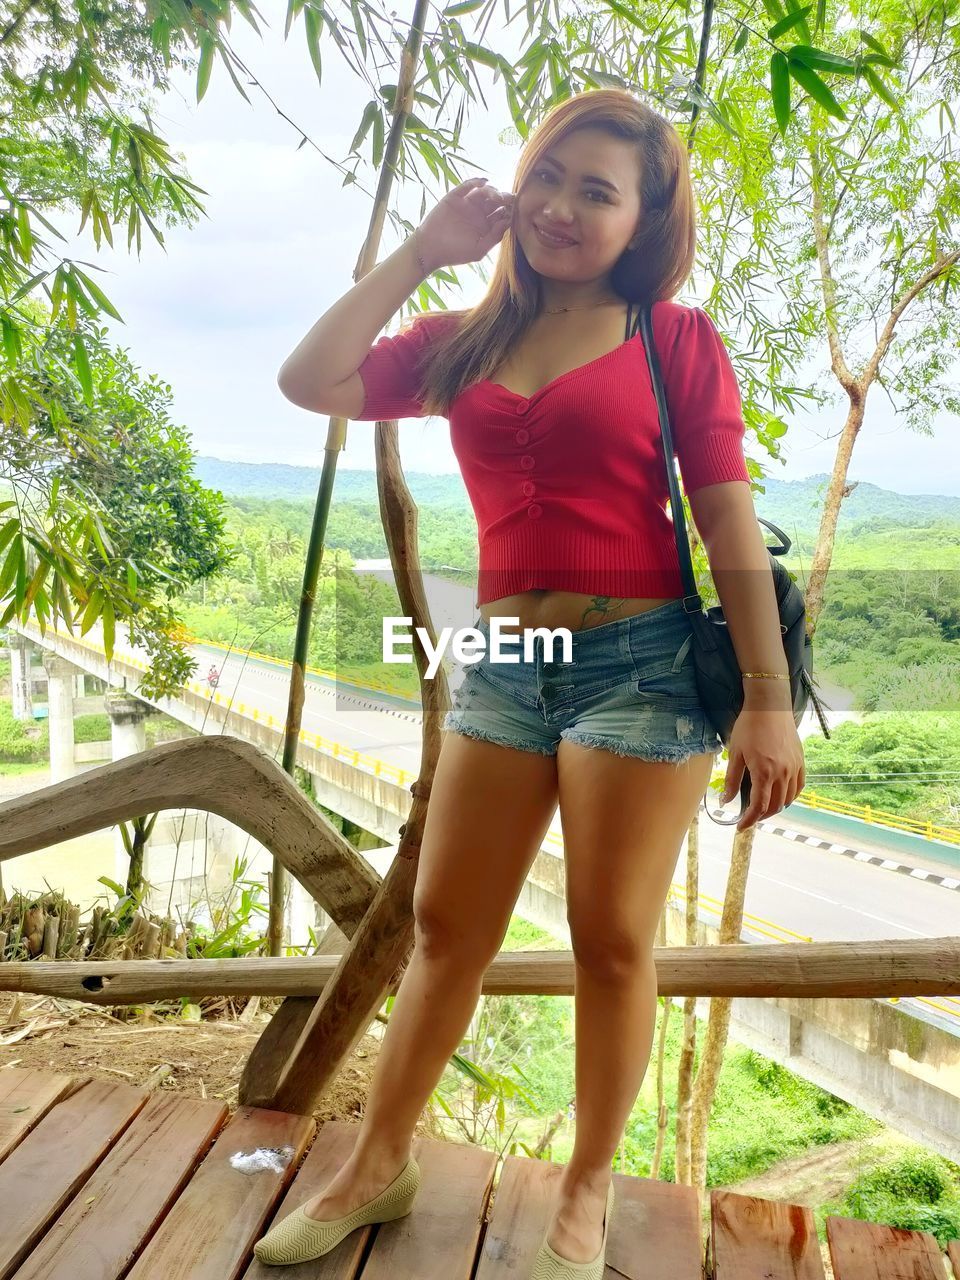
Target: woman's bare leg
[489,809]
[624,821]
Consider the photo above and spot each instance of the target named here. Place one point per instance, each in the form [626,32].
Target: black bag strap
[692,601]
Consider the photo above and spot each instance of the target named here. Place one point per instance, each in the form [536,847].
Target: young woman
[554,422]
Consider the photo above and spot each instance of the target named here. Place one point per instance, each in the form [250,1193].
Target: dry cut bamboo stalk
[855,970]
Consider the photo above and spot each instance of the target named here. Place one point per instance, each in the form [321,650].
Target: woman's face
[587,189]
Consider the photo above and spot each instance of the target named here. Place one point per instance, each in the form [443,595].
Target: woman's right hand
[465,225]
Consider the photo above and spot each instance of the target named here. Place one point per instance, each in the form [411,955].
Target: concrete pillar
[128,737]
[21,685]
[60,716]
[301,914]
[128,723]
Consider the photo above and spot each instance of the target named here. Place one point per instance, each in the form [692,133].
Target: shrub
[20,743]
[916,1175]
[916,1191]
[91,728]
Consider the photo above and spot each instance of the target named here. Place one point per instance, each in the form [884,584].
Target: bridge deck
[100,1181]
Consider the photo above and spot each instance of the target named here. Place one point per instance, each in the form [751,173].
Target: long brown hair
[657,268]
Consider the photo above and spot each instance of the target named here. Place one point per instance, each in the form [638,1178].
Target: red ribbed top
[569,485]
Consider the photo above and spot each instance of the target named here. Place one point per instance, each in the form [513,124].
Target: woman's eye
[546,173]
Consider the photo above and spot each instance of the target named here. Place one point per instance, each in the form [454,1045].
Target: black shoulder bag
[718,675]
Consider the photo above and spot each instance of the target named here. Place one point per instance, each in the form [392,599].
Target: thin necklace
[556,310]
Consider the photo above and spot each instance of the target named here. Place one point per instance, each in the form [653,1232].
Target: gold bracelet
[766,675]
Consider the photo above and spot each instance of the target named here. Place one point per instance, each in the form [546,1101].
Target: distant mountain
[793,505]
[278,480]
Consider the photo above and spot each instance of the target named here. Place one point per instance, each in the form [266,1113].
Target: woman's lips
[550,242]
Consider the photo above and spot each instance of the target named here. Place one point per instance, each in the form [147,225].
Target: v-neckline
[518,395]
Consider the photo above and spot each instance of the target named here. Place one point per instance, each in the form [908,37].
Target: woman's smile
[553,242]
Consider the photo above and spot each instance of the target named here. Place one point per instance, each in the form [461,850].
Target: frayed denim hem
[652,753]
[458,726]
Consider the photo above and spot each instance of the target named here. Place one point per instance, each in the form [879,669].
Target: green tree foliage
[903,764]
[105,522]
[101,519]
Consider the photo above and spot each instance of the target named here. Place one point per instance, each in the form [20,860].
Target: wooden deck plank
[752,1237]
[437,1240]
[871,1251]
[25,1098]
[334,1143]
[209,1232]
[45,1170]
[96,1173]
[118,1209]
[654,1233]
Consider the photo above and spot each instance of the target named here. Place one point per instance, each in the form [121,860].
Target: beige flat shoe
[301,1239]
[550,1266]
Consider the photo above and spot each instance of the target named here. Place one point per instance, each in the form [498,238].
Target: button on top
[528,461]
[522,436]
[521,406]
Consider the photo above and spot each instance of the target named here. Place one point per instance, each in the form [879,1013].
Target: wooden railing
[854,970]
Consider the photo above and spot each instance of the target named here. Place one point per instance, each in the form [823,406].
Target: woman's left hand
[765,741]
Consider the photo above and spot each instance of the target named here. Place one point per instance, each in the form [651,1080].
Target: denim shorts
[629,687]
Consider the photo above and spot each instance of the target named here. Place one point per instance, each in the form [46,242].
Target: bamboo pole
[809,970]
[307,1041]
[336,441]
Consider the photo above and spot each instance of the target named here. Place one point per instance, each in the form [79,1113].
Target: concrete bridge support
[21,683]
[128,723]
[128,737]
[60,686]
[302,915]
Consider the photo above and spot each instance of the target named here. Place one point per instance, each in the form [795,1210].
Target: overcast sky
[217,313]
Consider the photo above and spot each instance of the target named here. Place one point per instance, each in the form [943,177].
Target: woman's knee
[606,949]
[440,933]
